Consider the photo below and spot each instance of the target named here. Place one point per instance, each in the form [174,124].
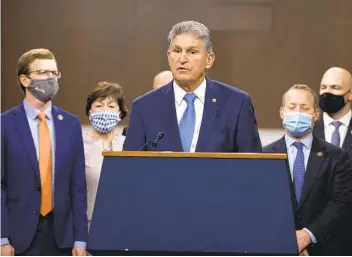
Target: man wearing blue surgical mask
[321,176]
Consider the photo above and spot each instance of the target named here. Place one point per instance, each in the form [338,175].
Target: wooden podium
[193,203]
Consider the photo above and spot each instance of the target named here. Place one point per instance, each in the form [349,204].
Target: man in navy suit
[27,227]
[321,177]
[193,112]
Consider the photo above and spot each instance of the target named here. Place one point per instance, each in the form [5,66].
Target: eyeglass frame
[56,74]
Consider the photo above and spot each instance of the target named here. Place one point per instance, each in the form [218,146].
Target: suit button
[38,188]
[298,216]
[35,212]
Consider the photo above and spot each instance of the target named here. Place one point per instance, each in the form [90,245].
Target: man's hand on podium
[303,240]
[7,250]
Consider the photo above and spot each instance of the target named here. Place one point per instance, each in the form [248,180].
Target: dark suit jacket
[325,205]
[347,143]
[20,180]
[228,123]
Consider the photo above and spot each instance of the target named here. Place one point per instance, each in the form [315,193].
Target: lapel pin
[320,153]
[351,132]
[60,117]
[214,100]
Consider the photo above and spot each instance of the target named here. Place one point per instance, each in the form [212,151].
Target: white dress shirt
[292,154]
[329,128]
[181,106]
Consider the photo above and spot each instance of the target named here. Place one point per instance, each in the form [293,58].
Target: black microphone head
[160,135]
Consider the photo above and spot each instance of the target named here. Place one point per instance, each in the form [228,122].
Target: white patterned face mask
[104,121]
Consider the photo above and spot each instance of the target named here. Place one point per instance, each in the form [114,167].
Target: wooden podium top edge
[195,155]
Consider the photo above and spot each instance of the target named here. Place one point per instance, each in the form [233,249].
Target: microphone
[160,135]
[124,131]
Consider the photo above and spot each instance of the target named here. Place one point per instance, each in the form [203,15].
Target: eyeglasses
[55,73]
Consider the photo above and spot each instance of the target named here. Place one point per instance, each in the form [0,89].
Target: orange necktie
[45,165]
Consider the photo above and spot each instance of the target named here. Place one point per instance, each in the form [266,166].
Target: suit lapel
[170,117]
[319,129]
[210,112]
[25,134]
[316,157]
[347,144]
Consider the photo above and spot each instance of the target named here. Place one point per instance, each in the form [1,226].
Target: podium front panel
[194,205]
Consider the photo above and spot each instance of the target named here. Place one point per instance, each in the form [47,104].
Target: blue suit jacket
[20,182]
[228,123]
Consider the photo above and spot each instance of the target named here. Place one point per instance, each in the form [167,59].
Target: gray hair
[305,88]
[196,28]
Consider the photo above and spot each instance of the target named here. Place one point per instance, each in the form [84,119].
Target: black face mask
[330,103]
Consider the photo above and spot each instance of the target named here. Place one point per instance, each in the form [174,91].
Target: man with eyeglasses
[43,185]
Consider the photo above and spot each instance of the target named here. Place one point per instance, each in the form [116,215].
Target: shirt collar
[180,93]
[307,141]
[32,112]
[345,120]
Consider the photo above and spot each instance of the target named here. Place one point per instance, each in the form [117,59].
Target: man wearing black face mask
[43,186]
[336,102]
[335,126]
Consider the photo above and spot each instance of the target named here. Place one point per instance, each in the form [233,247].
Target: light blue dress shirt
[31,113]
[292,153]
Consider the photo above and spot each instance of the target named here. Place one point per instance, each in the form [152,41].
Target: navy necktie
[188,122]
[335,139]
[298,170]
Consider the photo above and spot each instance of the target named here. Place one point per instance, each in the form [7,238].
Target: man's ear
[210,60]
[316,115]
[349,97]
[25,81]
[281,112]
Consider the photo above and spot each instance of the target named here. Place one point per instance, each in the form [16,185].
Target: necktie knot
[41,116]
[298,145]
[336,124]
[189,98]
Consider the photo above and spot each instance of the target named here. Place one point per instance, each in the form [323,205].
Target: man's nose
[183,58]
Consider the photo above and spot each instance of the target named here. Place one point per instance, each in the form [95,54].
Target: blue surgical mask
[104,121]
[297,123]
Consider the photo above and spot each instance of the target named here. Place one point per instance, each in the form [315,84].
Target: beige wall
[262,46]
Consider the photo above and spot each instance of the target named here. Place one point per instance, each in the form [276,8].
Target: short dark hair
[105,89]
[30,56]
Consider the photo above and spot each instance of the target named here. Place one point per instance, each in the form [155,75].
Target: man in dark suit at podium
[192,112]
[321,176]
[336,102]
